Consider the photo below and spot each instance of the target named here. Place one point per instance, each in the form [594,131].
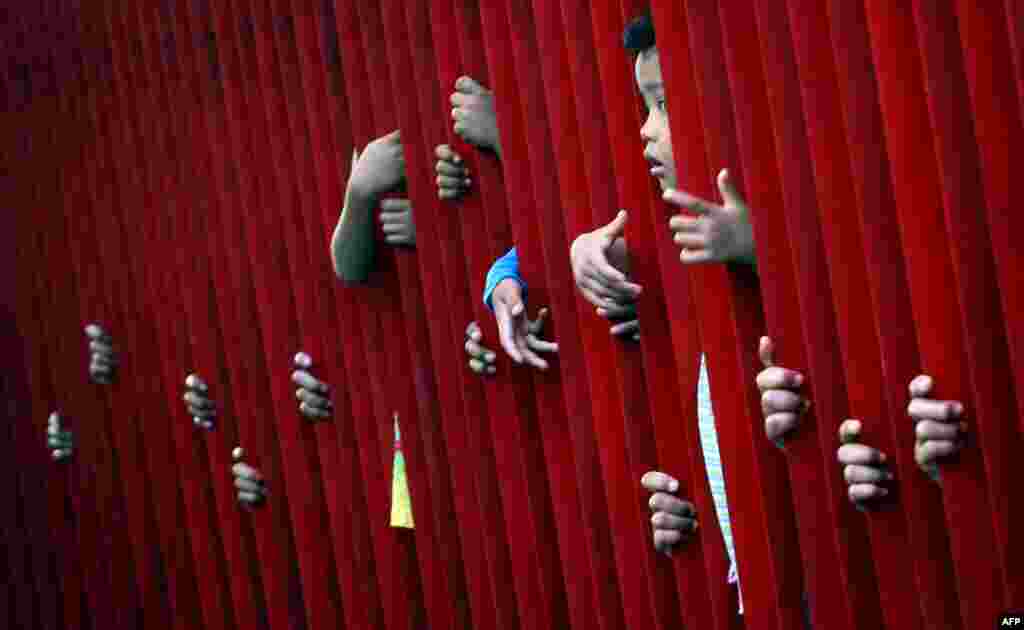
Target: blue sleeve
[505,267]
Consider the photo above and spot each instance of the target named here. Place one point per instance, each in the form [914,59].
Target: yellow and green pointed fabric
[401,505]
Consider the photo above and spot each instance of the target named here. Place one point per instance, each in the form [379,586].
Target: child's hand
[719,233]
[452,175]
[397,223]
[863,467]
[481,359]
[518,335]
[473,113]
[60,442]
[591,254]
[380,168]
[674,519]
[103,360]
[781,404]
[248,481]
[938,426]
[313,394]
[199,405]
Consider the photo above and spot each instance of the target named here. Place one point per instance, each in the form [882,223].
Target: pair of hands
[938,429]
[314,403]
[380,170]
[519,336]
[718,233]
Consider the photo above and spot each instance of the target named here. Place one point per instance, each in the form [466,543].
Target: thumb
[468,85]
[766,351]
[730,196]
[618,225]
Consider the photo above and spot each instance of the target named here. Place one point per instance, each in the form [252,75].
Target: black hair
[639,34]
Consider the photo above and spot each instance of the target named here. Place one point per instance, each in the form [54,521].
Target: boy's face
[655,132]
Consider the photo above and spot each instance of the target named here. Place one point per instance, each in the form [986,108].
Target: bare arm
[352,246]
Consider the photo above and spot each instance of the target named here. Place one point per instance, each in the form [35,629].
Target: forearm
[352,246]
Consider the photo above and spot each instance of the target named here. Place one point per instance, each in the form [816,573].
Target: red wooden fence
[173,170]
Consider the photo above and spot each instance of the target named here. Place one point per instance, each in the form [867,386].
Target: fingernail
[467,181]
[799,379]
[882,457]
[958,409]
[673,485]
[489,357]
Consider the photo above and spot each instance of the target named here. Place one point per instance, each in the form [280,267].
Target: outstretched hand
[719,233]
[519,335]
[600,282]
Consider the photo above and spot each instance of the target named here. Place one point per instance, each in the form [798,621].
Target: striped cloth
[713,465]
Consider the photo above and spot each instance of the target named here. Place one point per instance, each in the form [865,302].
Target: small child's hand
[939,426]
[474,116]
[863,467]
[781,404]
[397,223]
[518,335]
[719,233]
[481,359]
[452,175]
[60,442]
[601,282]
[198,403]
[674,519]
[314,394]
[248,481]
[103,360]
[380,168]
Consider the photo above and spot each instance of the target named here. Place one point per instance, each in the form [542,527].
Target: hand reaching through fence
[378,171]
[60,442]
[473,112]
[673,520]
[864,468]
[313,394]
[781,402]
[600,264]
[519,336]
[103,359]
[396,221]
[481,358]
[452,175]
[197,401]
[938,426]
[719,233]
[249,483]
[380,168]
